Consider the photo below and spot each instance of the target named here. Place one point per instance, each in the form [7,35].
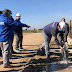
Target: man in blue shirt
[18,33]
[5,36]
[6,24]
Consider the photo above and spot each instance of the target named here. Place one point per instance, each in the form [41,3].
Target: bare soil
[27,60]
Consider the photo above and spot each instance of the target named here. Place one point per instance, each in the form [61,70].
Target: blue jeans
[47,40]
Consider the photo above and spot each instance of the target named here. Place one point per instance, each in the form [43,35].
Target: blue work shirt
[6,25]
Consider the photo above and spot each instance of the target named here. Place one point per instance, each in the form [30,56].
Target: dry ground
[28,59]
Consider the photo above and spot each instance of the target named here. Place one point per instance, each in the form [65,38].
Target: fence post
[70,26]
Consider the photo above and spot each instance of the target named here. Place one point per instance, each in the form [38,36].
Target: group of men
[9,27]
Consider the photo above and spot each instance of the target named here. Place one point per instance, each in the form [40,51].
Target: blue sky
[39,13]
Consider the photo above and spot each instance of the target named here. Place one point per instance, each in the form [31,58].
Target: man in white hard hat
[18,33]
[63,20]
[50,30]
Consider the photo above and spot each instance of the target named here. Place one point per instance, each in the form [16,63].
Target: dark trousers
[19,38]
[11,45]
[0,52]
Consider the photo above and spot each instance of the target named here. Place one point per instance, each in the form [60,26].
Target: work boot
[48,57]
[21,48]
[13,52]
[18,50]
[41,49]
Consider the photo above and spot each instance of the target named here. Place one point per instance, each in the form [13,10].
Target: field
[29,61]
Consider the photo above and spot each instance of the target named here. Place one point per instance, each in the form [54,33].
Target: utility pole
[70,26]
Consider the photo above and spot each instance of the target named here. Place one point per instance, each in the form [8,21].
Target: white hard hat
[62,25]
[18,14]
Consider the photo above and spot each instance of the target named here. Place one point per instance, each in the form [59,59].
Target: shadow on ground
[28,53]
[45,65]
[37,65]
[31,45]
[1,62]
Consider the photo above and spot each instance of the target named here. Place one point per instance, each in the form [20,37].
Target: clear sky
[39,13]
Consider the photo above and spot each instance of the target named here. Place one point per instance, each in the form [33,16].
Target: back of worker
[5,33]
[5,28]
[47,29]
